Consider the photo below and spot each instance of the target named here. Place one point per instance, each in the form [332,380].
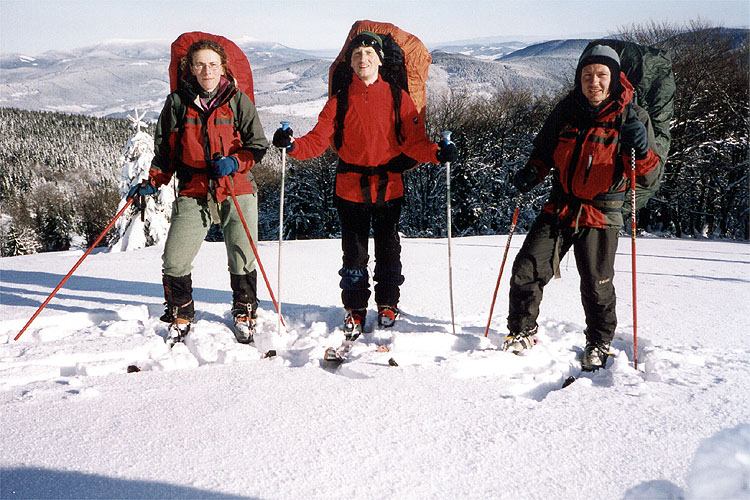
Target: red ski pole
[130,202]
[633,230]
[255,250]
[502,265]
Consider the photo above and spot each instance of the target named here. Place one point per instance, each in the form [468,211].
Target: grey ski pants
[188,227]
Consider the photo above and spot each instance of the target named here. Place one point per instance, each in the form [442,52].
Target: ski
[338,355]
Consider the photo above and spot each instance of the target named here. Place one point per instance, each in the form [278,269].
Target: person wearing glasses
[209,136]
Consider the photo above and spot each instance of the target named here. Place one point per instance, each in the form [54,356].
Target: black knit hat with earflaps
[366,39]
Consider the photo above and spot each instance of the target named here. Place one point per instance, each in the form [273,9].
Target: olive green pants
[189,225]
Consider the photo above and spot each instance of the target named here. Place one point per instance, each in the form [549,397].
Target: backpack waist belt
[606,202]
[397,164]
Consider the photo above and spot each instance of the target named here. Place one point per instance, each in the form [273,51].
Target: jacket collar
[358,85]
[192,91]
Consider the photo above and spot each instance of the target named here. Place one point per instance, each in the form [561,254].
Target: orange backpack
[407,61]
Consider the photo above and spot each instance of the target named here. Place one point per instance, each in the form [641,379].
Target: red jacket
[582,146]
[369,139]
[188,147]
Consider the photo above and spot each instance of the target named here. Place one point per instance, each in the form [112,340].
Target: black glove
[282,138]
[447,152]
[634,135]
[525,179]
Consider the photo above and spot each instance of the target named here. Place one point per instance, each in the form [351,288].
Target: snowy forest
[59,181]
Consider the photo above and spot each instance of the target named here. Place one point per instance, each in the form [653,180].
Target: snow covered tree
[17,239]
[493,135]
[135,229]
[57,182]
[309,208]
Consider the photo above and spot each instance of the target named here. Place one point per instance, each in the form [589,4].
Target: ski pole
[252,244]
[284,126]
[502,265]
[447,138]
[633,230]
[70,273]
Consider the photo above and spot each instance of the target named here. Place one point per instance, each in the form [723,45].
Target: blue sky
[35,26]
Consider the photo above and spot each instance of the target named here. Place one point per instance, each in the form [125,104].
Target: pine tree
[310,210]
[17,240]
[136,230]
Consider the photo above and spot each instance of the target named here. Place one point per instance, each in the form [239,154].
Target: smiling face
[207,68]
[595,82]
[365,63]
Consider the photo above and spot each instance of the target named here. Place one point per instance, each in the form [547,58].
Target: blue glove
[144,188]
[634,135]
[447,152]
[223,165]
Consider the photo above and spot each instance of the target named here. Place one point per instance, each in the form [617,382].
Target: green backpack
[650,71]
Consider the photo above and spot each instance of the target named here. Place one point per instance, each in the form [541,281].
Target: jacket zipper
[574,159]
[588,169]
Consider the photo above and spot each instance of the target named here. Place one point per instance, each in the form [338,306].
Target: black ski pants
[356,220]
[534,267]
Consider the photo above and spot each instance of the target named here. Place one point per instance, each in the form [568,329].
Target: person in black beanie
[377,133]
[587,143]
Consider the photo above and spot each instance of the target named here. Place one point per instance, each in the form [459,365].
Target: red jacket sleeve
[315,142]
[416,145]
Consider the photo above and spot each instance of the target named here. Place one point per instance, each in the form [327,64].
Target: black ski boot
[178,331]
[354,323]
[244,323]
[244,305]
[595,356]
[387,316]
[179,310]
[520,341]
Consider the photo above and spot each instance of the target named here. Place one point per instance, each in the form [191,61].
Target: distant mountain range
[115,77]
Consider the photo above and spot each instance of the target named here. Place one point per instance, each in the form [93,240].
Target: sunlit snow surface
[457,418]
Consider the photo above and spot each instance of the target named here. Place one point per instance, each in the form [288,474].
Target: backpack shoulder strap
[180,109]
[234,104]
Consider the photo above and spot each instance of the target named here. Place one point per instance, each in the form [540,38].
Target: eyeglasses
[210,67]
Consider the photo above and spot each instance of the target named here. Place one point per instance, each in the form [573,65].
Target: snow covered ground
[457,418]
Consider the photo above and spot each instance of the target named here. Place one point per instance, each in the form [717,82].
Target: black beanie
[366,39]
[601,54]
